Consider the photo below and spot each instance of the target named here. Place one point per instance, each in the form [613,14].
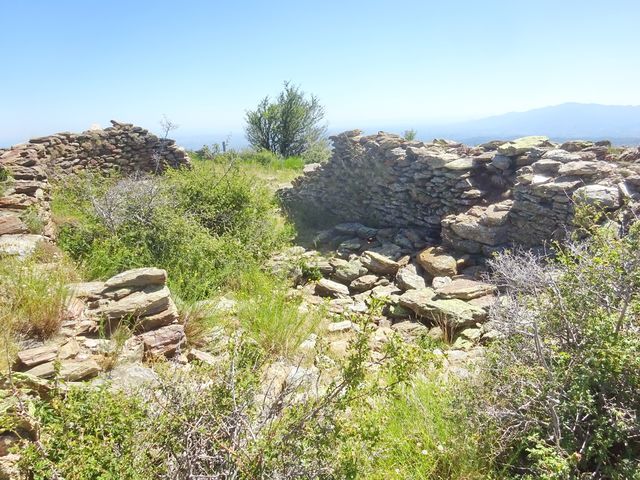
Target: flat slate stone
[21,244]
[465,289]
[139,277]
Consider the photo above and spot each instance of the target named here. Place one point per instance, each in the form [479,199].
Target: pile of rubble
[423,288]
[136,299]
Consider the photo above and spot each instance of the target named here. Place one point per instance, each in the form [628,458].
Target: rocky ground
[413,286]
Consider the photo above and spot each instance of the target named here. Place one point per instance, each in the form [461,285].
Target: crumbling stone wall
[122,146]
[384,180]
[24,198]
[477,199]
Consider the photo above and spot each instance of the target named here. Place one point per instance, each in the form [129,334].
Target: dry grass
[33,297]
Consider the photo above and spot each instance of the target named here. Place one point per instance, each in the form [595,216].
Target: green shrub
[203,225]
[318,152]
[243,418]
[91,433]
[564,387]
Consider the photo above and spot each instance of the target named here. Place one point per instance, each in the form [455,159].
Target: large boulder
[454,313]
[20,244]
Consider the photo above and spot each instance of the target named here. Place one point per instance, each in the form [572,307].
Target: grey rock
[599,195]
[378,263]
[139,277]
[329,288]
[407,278]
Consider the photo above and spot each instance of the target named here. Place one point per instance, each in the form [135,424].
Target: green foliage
[243,418]
[90,433]
[271,315]
[203,225]
[409,134]
[567,383]
[423,432]
[5,179]
[317,152]
[288,126]
[33,296]
[309,272]
[32,220]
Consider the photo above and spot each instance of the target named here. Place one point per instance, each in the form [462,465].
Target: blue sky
[67,64]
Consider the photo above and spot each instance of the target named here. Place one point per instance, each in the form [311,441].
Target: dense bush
[564,386]
[90,433]
[202,224]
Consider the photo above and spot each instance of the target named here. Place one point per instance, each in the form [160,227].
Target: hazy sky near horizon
[67,64]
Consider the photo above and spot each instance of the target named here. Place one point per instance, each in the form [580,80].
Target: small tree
[288,126]
[410,134]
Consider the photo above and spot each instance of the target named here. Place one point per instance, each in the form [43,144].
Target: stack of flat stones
[25,218]
[551,181]
[122,146]
[137,300]
[384,180]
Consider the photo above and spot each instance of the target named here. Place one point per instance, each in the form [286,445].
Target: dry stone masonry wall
[25,170]
[476,199]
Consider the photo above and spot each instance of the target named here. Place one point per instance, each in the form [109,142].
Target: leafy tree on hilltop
[288,126]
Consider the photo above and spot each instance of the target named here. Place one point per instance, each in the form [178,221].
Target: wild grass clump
[33,295]
[427,431]
[33,298]
[203,225]
[262,306]
[271,314]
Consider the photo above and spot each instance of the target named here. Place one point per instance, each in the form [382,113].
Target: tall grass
[423,433]
[264,309]
[271,315]
[33,298]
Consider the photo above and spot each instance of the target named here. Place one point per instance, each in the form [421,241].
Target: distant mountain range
[618,123]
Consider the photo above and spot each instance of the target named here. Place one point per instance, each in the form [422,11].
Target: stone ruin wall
[122,147]
[473,199]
